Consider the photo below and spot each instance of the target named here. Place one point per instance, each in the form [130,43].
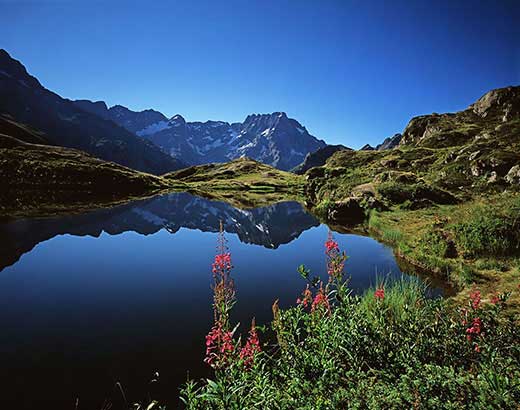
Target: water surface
[117,294]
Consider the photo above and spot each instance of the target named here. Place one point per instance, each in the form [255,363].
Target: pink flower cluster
[222,263]
[219,346]
[251,348]
[474,326]
[379,294]
[335,259]
[475,329]
[221,350]
[306,298]
[475,299]
[331,245]
[321,301]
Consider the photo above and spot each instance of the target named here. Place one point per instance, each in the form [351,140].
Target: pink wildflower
[252,347]
[306,298]
[219,346]
[320,300]
[475,329]
[475,299]
[335,259]
[379,293]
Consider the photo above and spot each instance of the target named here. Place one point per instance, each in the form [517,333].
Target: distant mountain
[318,158]
[131,120]
[273,139]
[61,122]
[388,143]
[367,147]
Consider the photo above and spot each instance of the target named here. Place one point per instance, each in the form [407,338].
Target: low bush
[490,231]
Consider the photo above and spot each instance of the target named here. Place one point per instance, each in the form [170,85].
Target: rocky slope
[33,166]
[41,179]
[441,158]
[61,122]
[447,198]
[273,139]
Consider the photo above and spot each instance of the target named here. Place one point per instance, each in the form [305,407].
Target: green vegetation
[447,198]
[474,242]
[390,348]
[45,180]
[242,174]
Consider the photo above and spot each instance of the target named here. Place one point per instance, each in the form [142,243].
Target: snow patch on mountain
[153,128]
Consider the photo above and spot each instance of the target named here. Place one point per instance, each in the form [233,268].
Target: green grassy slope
[447,197]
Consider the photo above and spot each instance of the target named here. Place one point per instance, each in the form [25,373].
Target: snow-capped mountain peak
[273,139]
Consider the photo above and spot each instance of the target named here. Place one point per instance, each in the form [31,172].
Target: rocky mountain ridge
[274,139]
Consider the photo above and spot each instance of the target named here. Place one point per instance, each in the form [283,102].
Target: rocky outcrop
[390,142]
[513,176]
[367,147]
[502,103]
[347,212]
[480,120]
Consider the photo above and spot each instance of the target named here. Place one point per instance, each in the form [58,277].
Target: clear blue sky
[351,71]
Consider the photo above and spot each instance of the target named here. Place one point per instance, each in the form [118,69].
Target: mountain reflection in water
[270,226]
[117,294]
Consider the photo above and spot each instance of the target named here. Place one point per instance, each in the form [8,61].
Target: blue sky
[352,72]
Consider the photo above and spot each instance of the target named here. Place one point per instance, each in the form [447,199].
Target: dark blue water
[117,294]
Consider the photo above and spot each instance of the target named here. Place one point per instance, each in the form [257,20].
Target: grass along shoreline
[455,242]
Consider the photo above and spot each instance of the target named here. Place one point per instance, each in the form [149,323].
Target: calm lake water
[118,294]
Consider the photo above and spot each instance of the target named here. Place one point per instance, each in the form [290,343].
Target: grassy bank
[477,242]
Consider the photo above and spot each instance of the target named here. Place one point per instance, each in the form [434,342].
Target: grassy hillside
[42,179]
[238,175]
[447,197]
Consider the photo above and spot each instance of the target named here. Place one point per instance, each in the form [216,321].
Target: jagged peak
[367,147]
[178,118]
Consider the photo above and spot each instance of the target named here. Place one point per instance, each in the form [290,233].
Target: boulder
[492,178]
[316,172]
[347,212]
[513,176]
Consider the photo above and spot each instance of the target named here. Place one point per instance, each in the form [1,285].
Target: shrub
[489,231]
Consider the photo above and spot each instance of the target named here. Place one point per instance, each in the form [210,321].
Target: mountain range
[147,140]
[274,139]
[388,143]
[60,122]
